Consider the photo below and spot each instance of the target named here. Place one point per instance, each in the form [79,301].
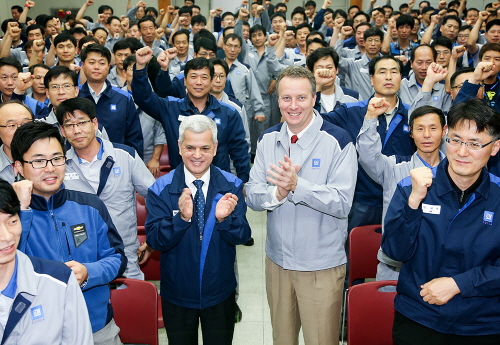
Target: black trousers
[408,332]
[217,323]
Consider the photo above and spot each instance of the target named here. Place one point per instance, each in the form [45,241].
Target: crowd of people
[324,118]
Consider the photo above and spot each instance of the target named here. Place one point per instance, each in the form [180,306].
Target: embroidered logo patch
[79,232]
[316,162]
[406,129]
[37,314]
[217,121]
[435,98]
[488,217]
[117,171]
[112,107]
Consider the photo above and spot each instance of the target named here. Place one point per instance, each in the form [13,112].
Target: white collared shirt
[189,178]
[97,96]
[390,115]
[301,132]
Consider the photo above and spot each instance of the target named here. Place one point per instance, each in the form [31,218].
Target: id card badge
[79,232]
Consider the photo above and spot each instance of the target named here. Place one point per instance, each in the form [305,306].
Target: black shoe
[250,242]
[238,315]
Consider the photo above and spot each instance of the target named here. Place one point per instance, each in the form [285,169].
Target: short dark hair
[233,36]
[452,17]
[370,32]
[278,14]
[63,38]
[459,72]
[9,61]
[471,9]
[197,64]
[485,48]
[484,117]
[18,8]
[198,19]
[6,22]
[204,33]
[180,32]
[424,110]
[414,51]
[41,65]
[492,23]
[151,9]
[466,27]
[129,61]
[185,10]
[94,30]
[315,32]
[57,71]
[299,10]
[225,14]
[405,19]
[228,28]
[341,13]
[281,4]
[120,45]
[319,54]
[96,48]
[373,63]
[134,44]
[442,41]
[146,19]
[103,8]
[361,13]
[256,28]
[303,25]
[78,30]
[223,63]
[34,27]
[316,40]
[110,19]
[206,44]
[310,3]
[402,6]
[86,39]
[70,105]
[26,135]
[9,202]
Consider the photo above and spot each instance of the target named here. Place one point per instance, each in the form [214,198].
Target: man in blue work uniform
[196,217]
[385,75]
[115,108]
[444,229]
[41,298]
[67,226]
[171,111]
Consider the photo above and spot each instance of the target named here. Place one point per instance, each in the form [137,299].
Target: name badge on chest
[432,209]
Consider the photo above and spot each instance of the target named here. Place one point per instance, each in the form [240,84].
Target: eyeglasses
[65,87]
[443,52]
[72,126]
[471,145]
[14,126]
[42,163]
[230,46]
[219,76]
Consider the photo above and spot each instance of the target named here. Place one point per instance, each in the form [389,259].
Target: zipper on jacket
[57,231]
[462,196]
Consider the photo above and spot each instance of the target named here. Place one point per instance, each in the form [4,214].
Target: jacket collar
[307,138]
[218,182]
[85,91]
[58,199]
[188,107]
[444,185]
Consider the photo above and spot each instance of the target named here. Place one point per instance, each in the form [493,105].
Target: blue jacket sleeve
[111,260]
[165,87]
[235,228]
[133,132]
[401,227]
[468,91]
[144,96]
[237,147]
[318,20]
[163,230]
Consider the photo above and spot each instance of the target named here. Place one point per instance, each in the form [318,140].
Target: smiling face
[258,39]
[296,102]
[46,181]
[198,83]
[8,77]
[66,51]
[465,164]
[219,81]
[95,67]
[66,90]
[81,136]
[10,234]
[181,42]
[12,114]
[197,151]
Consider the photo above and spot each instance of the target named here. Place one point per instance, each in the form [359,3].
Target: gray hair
[198,124]
[297,72]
